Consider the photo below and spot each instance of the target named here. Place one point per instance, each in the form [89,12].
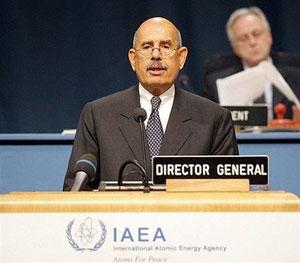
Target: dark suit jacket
[224,65]
[108,130]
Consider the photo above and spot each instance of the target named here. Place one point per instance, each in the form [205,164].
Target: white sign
[150,237]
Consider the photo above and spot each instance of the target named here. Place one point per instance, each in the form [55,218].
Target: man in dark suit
[184,123]
[250,37]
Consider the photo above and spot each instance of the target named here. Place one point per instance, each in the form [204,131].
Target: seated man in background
[250,37]
[178,122]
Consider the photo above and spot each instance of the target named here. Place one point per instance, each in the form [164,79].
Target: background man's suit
[107,129]
[221,66]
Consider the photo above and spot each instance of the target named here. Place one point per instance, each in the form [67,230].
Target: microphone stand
[139,116]
[146,188]
[146,179]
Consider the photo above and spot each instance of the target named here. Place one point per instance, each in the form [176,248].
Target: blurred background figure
[183,82]
[250,37]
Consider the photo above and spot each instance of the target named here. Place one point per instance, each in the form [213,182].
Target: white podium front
[154,227]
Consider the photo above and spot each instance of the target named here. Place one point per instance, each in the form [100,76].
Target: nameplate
[256,115]
[255,168]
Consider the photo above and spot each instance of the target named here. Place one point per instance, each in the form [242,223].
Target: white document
[246,86]
[278,81]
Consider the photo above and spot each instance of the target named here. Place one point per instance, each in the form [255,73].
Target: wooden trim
[194,185]
[156,201]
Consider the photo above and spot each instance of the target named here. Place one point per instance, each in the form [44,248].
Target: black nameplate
[254,168]
[256,115]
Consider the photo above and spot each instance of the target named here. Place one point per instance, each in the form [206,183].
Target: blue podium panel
[283,150]
[33,168]
[283,161]
[38,162]
[33,162]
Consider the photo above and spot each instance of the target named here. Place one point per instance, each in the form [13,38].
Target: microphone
[139,115]
[85,170]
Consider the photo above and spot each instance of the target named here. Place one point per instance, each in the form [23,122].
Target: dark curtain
[55,55]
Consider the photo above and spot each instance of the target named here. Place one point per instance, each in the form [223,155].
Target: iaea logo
[88,234]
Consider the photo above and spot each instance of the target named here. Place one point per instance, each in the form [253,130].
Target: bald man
[177,123]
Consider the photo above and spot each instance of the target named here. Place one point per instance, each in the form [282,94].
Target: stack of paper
[246,86]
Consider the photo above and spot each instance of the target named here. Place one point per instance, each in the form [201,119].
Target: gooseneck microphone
[84,170]
[139,115]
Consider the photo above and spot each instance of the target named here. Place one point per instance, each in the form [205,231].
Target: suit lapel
[278,96]
[128,126]
[177,131]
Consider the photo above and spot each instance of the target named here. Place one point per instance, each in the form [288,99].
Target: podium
[132,226]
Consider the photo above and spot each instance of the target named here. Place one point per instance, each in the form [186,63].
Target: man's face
[251,40]
[157,71]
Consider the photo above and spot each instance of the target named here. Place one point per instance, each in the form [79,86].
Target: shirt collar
[268,60]
[166,96]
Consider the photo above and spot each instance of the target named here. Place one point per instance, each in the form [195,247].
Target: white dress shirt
[167,99]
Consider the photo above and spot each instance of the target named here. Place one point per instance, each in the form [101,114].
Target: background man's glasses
[255,35]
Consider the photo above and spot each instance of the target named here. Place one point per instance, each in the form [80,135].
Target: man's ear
[183,52]
[131,57]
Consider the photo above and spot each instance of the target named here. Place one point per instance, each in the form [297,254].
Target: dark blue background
[55,55]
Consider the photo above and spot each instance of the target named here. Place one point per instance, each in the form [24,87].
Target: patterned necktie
[154,128]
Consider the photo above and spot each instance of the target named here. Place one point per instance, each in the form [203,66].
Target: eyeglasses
[252,35]
[164,50]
